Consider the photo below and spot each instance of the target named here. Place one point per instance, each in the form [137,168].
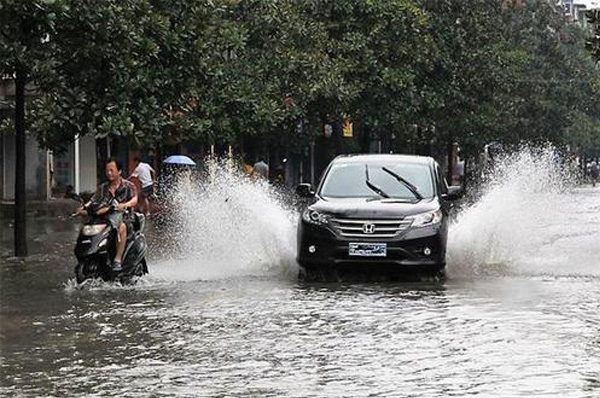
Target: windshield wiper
[414,190]
[374,187]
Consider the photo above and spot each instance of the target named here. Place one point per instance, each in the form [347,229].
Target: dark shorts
[148,191]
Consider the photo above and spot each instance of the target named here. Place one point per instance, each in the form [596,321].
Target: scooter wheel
[85,271]
[80,274]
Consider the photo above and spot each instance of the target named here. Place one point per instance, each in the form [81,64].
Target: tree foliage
[593,42]
[427,71]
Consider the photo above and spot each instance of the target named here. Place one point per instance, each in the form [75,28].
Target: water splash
[98,285]
[226,224]
[529,220]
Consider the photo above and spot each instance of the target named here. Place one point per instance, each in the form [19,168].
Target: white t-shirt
[143,172]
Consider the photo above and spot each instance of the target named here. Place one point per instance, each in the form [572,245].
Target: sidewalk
[40,208]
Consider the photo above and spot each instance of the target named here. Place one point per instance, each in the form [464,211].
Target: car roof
[384,158]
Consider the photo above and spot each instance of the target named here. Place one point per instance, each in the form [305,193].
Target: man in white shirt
[145,173]
[261,169]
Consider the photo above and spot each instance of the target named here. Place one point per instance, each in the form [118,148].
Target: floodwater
[223,314]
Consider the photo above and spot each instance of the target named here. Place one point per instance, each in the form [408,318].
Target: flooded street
[517,315]
[358,199]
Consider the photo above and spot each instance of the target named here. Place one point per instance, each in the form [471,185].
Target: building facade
[575,9]
[47,174]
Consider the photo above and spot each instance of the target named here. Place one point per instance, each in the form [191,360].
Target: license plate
[367,249]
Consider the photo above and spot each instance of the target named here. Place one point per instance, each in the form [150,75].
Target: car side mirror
[454,192]
[305,190]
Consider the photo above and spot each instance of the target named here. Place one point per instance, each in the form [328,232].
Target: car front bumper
[406,252]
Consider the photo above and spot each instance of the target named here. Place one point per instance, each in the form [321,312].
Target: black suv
[377,211]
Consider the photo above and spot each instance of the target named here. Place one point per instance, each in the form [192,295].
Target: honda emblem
[368,228]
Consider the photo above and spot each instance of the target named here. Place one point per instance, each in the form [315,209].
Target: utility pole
[77,167]
[450,153]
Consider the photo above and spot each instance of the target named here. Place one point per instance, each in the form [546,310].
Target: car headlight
[91,230]
[315,217]
[426,219]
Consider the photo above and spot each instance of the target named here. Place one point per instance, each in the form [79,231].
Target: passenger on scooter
[112,199]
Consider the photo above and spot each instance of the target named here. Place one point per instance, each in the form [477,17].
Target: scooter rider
[112,199]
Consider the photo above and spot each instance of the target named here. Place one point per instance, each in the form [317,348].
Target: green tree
[510,74]
[593,42]
[554,98]
[120,68]
[26,28]
[460,92]
[423,71]
[382,49]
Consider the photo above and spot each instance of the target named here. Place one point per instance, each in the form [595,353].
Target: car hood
[384,208]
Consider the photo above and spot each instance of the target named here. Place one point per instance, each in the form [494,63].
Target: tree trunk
[364,136]
[466,173]
[20,200]
[450,154]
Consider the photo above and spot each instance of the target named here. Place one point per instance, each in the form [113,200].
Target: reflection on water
[515,320]
[495,337]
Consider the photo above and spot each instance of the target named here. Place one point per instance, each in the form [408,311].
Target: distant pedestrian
[261,169]
[594,172]
[279,177]
[247,167]
[145,173]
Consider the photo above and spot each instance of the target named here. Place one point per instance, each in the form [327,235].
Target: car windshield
[349,180]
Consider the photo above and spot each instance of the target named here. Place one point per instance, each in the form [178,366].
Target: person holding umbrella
[180,160]
[175,168]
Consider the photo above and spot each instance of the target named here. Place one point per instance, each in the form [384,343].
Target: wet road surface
[503,324]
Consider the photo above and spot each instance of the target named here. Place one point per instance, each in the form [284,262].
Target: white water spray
[529,220]
[229,225]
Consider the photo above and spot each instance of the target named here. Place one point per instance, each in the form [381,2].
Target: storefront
[47,174]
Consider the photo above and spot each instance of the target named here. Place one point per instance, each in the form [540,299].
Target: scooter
[97,243]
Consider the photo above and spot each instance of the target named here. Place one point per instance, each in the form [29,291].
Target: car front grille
[375,228]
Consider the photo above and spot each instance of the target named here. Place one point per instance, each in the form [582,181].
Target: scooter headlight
[426,219]
[315,217]
[91,230]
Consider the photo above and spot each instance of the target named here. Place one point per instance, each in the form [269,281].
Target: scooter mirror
[74,196]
